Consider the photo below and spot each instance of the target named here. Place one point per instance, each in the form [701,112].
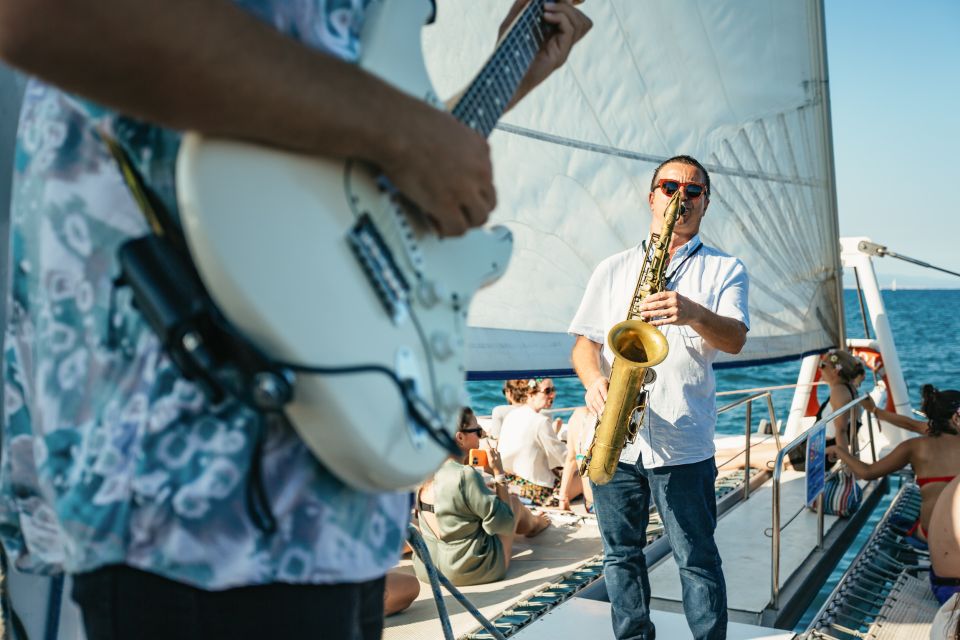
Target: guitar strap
[168,292]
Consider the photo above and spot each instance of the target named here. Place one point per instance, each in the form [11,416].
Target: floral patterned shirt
[109,456]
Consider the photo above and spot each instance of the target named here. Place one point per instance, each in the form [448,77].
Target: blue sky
[895,92]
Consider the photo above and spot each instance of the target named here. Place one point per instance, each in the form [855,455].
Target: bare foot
[541,522]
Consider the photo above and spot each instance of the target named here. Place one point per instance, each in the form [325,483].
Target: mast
[820,54]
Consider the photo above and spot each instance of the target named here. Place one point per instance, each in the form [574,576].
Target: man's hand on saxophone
[669,307]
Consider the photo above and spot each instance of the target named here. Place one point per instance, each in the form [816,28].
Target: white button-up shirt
[682,411]
[529,448]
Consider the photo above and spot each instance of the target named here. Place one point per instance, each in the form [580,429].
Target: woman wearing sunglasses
[468,529]
[532,452]
[843,372]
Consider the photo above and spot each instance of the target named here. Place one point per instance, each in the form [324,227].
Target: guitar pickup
[381,269]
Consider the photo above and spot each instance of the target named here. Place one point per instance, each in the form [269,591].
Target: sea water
[926,330]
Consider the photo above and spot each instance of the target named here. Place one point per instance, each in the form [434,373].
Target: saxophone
[637,346]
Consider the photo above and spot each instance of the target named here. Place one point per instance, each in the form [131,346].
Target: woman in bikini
[935,456]
[468,529]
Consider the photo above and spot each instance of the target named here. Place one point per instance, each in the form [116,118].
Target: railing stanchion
[873,446]
[820,521]
[773,420]
[746,461]
[853,434]
[775,539]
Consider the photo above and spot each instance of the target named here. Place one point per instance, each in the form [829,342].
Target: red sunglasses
[693,190]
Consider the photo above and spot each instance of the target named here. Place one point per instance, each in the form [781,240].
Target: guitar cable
[415,407]
[162,225]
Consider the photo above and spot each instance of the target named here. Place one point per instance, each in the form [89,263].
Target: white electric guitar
[318,264]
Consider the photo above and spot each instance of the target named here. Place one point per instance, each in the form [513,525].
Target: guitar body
[270,233]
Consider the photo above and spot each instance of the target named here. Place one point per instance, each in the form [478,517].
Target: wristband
[500,478]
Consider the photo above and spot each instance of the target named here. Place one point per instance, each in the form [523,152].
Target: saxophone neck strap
[676,270]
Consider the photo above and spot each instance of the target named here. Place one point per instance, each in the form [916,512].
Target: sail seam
[635,155]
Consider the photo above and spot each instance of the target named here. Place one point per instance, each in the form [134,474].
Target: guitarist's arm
[209,66]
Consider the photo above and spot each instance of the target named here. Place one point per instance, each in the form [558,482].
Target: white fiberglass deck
[582,618]
[536,563]
[745,547]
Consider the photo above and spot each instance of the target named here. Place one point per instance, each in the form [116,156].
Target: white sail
[741,86]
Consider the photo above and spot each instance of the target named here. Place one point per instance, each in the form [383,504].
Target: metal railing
[778,471]
[760,392]
[748,432]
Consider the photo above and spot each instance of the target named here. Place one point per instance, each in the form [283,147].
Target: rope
[436,579]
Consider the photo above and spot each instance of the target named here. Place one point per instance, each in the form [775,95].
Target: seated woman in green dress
[469,529]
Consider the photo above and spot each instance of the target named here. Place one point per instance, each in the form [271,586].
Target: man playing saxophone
[701,311]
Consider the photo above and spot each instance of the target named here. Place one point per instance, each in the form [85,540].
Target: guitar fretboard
[488,95]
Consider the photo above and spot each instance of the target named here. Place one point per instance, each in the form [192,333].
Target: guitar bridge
[381,269]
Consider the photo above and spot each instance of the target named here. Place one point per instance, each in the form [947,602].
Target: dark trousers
[685,498]
[119,602]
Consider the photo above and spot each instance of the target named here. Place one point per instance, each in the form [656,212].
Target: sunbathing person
[945,561]
[532,452]
[468,529]
[935,457]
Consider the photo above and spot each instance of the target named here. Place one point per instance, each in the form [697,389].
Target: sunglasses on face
[693,190]
[549,391]
[477,430]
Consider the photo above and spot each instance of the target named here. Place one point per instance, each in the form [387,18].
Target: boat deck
[885,592]
[582,618]
[570,543]
[560,561]
[747,573]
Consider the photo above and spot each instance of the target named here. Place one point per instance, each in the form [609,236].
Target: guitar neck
[488,95]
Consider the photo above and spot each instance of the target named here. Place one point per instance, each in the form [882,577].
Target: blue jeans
[685,498]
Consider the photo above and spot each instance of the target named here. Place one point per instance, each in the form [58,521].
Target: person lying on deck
[469,530]
[935,456]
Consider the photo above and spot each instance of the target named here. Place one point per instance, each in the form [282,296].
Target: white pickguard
[268,232]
